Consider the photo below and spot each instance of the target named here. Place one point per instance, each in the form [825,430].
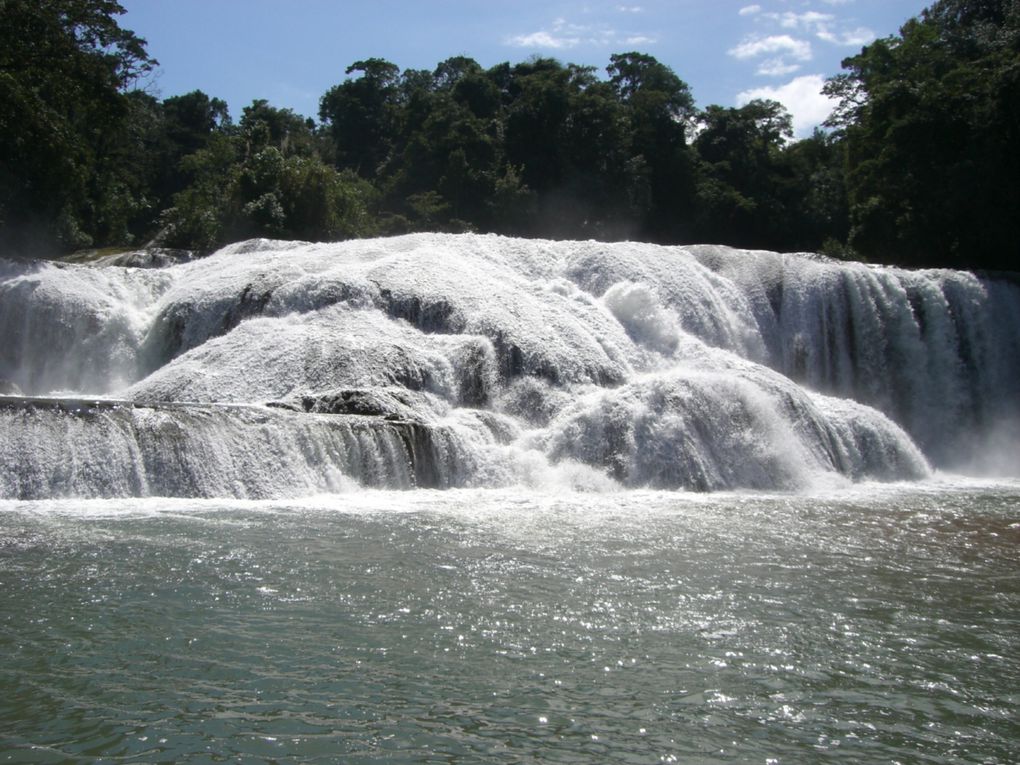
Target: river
[880,624]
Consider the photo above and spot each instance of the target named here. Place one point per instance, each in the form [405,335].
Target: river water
[876,624]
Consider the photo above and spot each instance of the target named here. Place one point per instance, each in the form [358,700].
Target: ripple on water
[478,626]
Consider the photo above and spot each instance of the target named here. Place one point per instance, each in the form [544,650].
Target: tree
[360,115]
[192,118]
[635,75]
[819,217]
[439,172]
[932,128]
[744,180]
[64,67]
[196,219]
[597,159]
[535,121]
[660,110]
[264,125]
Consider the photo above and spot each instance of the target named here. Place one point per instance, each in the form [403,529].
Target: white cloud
[821,24]
[542,39]
[782,44]
[562,34]
[806,20]
[851,38]
[837,2]
[750,10]
[629,8]
[802,96]
[776,67]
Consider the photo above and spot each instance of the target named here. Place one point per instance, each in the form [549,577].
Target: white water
[434,360]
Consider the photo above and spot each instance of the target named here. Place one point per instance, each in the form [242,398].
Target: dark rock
[151,257]
[251,302]
[391,404]
[430,316]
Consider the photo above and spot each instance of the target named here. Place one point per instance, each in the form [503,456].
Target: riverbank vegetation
[919,165]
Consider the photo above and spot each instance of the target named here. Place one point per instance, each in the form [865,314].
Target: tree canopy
[64,65]
[918,168]
[930,119]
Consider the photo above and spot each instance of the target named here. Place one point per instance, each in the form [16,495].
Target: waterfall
[273,369]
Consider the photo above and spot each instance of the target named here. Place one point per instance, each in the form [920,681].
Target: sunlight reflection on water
[502,627]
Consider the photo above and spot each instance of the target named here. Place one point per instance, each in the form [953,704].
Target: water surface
[881,625]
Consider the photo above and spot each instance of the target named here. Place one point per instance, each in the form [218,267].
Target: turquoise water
[503,627]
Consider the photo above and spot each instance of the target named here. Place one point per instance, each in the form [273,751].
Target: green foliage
[931,125]
[921,168]
[745,175]
[361,115]
[196,218]
[63,67]
[266,194]
[190,120]
[817,195]
[536,148]
[263,125]
[643,82]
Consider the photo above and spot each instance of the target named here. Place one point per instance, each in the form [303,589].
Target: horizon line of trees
[920,167]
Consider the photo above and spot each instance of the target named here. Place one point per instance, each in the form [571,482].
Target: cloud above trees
[563,34]
[783,43]
[786,38]
[802,97]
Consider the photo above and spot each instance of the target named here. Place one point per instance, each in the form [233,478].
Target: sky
[290,52]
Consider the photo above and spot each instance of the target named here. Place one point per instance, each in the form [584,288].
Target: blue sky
[291,51]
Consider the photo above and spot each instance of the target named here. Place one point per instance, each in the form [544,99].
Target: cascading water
[276,369]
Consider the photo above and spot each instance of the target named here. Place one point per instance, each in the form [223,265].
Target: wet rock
[390,404]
